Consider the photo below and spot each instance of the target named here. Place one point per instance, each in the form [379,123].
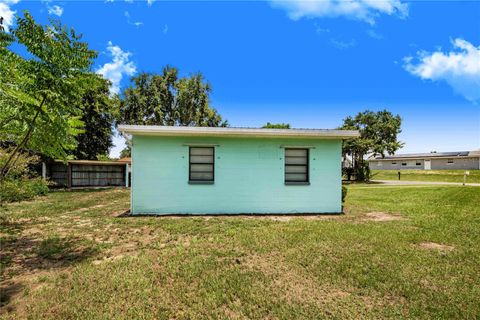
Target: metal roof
[237,132]
[426,155]
[93,162]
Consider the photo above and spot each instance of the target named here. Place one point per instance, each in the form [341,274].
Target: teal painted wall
[249,177]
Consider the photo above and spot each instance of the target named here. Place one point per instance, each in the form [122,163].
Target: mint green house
[192,170]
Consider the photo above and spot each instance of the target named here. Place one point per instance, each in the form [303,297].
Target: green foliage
[98,114]
[277,125]
[166,99]
[362,171]
[126,152]
[39,94]
[103,157]
[22,166]
[378,136]
[20,189]
[344,193]
[22,183]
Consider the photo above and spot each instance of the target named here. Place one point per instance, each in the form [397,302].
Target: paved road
[402,182]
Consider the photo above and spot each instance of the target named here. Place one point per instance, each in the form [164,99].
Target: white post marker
[44,171]
[465,177]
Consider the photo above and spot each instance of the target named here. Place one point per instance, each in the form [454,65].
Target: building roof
[93,162]
[125,160]
[237,132]
[427,155]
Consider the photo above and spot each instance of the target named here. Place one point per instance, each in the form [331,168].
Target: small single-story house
[460,160]
[199,170]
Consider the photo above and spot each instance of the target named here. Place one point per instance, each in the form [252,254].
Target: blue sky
[309,64]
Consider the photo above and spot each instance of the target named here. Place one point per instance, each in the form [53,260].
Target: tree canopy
[167,99]
[378,136]
[38,93]
[277,125]
[98,112]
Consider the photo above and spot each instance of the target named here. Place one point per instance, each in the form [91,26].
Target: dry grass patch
[382,216]
[436,246]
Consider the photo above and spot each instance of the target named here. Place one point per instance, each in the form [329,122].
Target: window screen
[202,164]
[296,165]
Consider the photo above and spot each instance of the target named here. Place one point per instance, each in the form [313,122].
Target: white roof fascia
[236,132]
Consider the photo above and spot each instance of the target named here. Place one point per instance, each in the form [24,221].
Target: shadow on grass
[128,214]
[25,256]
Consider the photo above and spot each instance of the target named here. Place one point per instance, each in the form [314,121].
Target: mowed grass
[427,175]
[398,252]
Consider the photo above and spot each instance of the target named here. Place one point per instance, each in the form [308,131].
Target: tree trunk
[8,163]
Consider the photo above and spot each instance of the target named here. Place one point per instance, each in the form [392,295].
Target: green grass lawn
[427,175]
[399,252]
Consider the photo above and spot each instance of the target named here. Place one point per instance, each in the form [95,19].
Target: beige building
[461,160]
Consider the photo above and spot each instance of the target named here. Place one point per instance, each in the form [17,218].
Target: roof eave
[226,132]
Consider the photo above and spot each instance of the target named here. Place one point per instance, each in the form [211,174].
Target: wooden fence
[78,174]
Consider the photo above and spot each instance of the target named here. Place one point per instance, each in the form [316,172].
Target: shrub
[344,193]
[21,182]
[22,189]
[22,164]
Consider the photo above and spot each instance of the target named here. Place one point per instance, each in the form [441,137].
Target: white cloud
[150,2]
[460,68]
[364,10]
[56,10]
[375,35]
[165,29]
[120,66]
[342,45]
[136,24]
[320,30]
[7,13]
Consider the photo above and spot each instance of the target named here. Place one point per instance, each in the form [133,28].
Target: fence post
[69,176]
[44,170]
[126,174]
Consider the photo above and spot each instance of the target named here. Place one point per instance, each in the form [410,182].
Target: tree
[38,94]
[166,99]
[378,136]
[98,114]
[126,152]
[277,125]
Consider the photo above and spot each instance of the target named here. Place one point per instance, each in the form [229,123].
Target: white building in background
[460,160]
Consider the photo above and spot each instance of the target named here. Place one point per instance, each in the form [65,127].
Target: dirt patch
[435,246]
[382,216]
[113,258]
[81,210]
[301,217]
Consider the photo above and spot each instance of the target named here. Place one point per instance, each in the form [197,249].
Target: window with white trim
[201,165]
[296,166]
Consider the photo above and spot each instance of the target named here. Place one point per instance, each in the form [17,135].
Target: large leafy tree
[98,109]
[38,93]
[167,99]
[378,136]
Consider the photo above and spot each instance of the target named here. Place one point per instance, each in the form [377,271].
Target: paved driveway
[402,182]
